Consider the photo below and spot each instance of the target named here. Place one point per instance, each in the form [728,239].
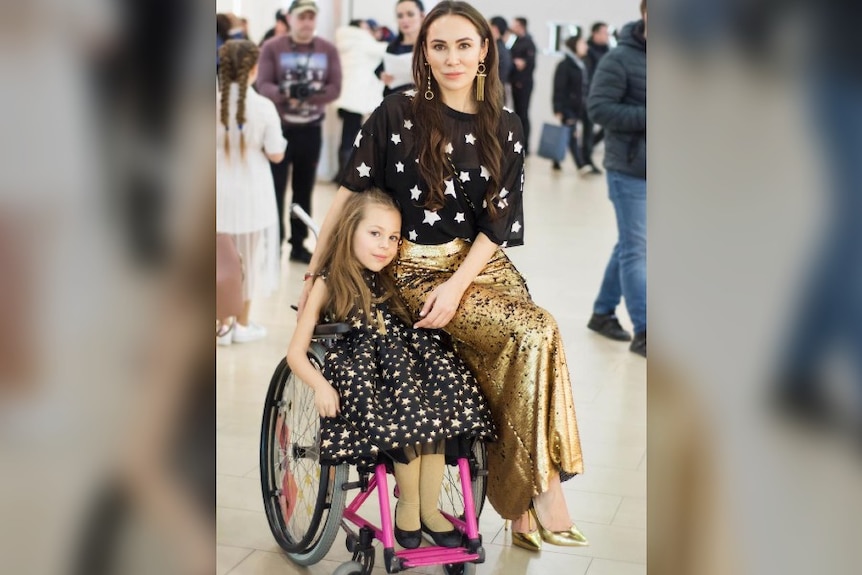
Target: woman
[453,159]
[571,87]
[249,136]
[410,14]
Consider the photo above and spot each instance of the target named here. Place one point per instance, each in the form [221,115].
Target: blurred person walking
[500,31]
[249,137]
[569,99]
[281,27]
[598,45]
[301,74]
[410,14]
[524,59]
[617,101]
[360,53]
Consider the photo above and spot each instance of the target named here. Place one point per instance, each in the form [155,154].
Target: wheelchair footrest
[438,555]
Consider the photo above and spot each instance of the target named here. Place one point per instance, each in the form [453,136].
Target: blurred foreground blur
[755,288]
[106,266]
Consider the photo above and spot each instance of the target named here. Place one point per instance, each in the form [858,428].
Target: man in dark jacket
[617,101]
[524,58]
[597,46]
[499,29]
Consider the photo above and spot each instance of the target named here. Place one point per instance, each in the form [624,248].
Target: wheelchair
[306,500]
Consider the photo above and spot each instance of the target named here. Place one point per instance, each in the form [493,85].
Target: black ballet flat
[408,539]
[450,538]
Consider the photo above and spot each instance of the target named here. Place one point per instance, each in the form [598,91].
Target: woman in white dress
[248,138]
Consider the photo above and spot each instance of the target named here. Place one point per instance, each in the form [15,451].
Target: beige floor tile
[632,513]
[607,567]
[229,557]
[570,232]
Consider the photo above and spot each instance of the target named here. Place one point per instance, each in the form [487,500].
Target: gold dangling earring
[480,82]
[429,95]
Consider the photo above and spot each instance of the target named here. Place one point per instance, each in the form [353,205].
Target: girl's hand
[441,305]
[326,401]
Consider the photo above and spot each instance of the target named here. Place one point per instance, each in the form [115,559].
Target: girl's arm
[443,302]
[326,229]
[325,397]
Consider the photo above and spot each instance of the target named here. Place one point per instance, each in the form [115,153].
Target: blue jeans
[625,275]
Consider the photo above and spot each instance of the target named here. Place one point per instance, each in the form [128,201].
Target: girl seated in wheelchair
[385,386]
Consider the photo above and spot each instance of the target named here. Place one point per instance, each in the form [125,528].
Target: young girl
[396,389]
[248,138]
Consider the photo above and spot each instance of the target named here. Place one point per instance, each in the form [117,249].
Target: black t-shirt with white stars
[385,154]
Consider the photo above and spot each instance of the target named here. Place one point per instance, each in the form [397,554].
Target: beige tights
[419,485]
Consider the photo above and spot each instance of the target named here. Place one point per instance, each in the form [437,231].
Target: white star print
[459,217]
[510,136]
[413,235]
[450,188]
[364,170]
[357,140]
[504,192]
[415,192]
[510,110]
[449,148]
[399,167]
[516,227]
[518,147]
[502,204]
[465,176]
[410,93]
[504,244]
[431,218]
[408,124]
[485,173]
[396,139]
[470,139]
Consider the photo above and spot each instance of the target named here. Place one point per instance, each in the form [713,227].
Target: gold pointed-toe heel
[531,541]
[571,537]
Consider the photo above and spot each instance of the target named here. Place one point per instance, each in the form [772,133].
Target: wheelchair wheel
[303,499]
[451,498]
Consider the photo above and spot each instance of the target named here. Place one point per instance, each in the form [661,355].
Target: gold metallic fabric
[514,349]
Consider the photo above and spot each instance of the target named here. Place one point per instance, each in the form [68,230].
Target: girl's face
[375,242]
[453,50]
[409,18]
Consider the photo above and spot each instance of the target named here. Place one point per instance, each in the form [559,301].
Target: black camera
[301,90]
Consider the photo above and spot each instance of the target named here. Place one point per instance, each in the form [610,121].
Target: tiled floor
[570,231]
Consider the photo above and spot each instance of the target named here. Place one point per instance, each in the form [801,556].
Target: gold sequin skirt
[515,351]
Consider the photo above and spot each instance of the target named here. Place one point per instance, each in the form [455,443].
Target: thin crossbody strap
[458,186]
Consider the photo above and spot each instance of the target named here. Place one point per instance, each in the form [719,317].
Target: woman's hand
[326,401]
[386,79]
[441,305]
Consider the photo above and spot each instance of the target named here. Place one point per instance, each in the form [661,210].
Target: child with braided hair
[248,138]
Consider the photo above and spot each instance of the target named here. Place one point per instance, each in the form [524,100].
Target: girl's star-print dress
[400,388]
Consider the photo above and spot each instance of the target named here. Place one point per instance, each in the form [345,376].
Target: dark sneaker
[609,326]
[300,255]
[595,170]
[638,346]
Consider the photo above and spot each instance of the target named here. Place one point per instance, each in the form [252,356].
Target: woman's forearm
[480,254]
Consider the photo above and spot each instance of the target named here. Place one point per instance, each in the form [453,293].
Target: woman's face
[409,18]
[453,50]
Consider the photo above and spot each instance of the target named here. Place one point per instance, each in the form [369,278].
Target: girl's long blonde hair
[345,276]
[236,60]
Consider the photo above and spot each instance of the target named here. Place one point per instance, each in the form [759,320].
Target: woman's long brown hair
[236,59]
[345,275]
[433,165]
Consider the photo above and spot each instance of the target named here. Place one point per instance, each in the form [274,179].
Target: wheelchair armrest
[331,329]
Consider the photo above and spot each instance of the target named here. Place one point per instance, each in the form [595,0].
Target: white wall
[540,14]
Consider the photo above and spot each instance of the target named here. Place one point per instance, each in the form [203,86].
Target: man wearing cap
[301,74]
